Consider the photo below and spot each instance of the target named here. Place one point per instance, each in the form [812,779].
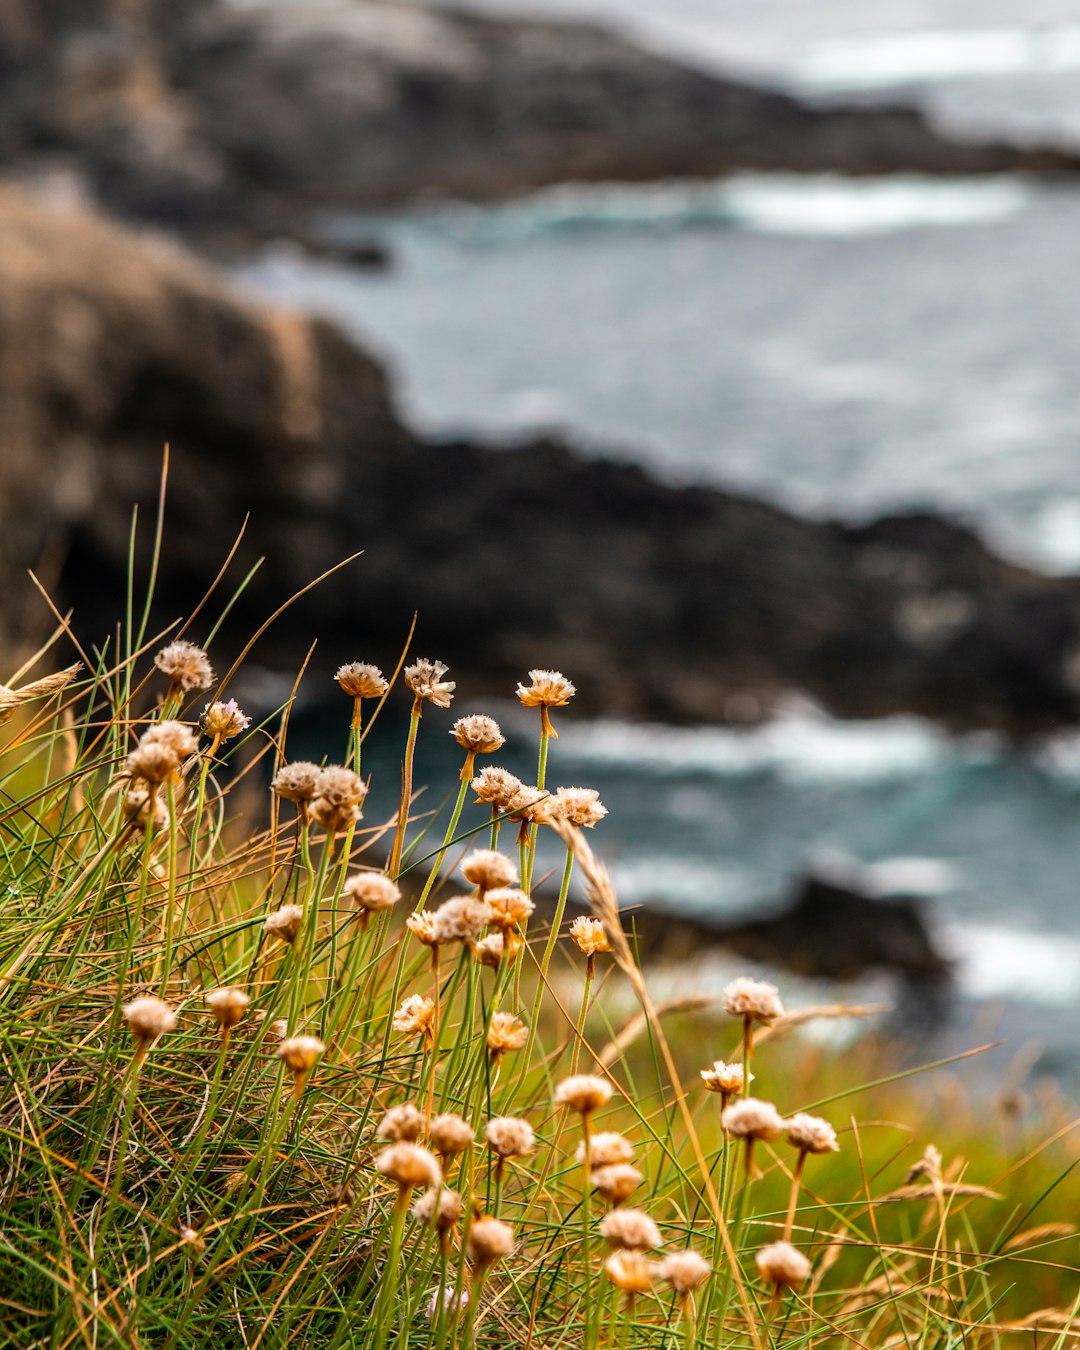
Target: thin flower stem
[394,866]
[448,838]
[796,1178]
[590,967]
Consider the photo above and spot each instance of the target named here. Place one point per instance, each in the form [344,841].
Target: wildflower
[727,1079]
[144,808]
[439,1206]
[583,1093]
[684,1271]
[279,1028]
[488,870]
[533,805]
[223,721]
[422,926]
[190,1237]
[753,1000]
[460,919]
[488,1240]
[616,1182]
[549,689]
[414,1017]
[508,907]
[371,892]
[402,1122]
[751,1119]
[447,1299]
[580,806]
[339,799]
[186,665]
[589,935]
[479,735]
[510,1137]
[496,788]
[228,1006]
[409,1165]
[630,1271]
[425,680]
[607,1148]
[505,1033]
[489,951]
[175,736]
[300,1054]
[811,1134]
[297,782]
[782,1265]
[450,1135]
[148,1018]
[630,1228]
[284,923]
[153,763]
[359,680]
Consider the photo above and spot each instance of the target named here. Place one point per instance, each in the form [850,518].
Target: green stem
[406,790]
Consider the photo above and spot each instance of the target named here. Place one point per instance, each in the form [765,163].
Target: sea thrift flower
[284,923]
[450,1135]
[460,919]
[607,1148]
[589,935]
[297,782]
[415,1016]
[153,762]
[422,926]
[359,680]
[580,806]
[630,1228]
[143,807]
[727,1079]
[186,665]
[509,1137]
[684,1271]
[549,689]
[811,1134]
[447,1298]
[479,735]
[425,680]
[371,892]
[488,870]
[782,1265]
[400,1123]
[496,788]
[441,1207]
[339,799]
[753,1000]
[488,1240]
[228,1006]
[508,907]
[300,1054]
[630,1271]
[616,1182]
[490,951]
[148,1018]
[751,1119]
[409,1165]
[583,1093]
[223,721]
[505,1033]
[176,736]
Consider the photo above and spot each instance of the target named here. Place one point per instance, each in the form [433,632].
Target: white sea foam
[1008,963]
[880,60]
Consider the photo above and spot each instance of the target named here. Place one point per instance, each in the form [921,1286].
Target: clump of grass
[264,1083]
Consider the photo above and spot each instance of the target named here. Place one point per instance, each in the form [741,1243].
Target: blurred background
[722,355]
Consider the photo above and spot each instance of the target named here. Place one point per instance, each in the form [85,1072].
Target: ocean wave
[1008,963]
[877,61]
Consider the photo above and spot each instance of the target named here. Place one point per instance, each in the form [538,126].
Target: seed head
[487,869]
[401,1123]
[148,1018]
[224,720]
[361,681]
[228,1006]
[284,923]
[508,907]
[616,1182]
[415,1016]
[630,1228]
[580,806]
[589,935]
[509,1137]
[371,891]
[506,1033]
[422,926]
[439,1206]
[425,680]
[153,762]
[478,734]
[685,1271]
[489,1239]
[448,1298]
[186,665]
[176,736]
[549,689]
[301,1052]
[756,999]
[450,1135]
[460,919]
[533,804]
[297,782]
[339,799]
[583,1093]
[750,1118]
[811,1134]
[783,1265]
[724,1078]
[409,1165]
[607,1148]
[489,951]
[496,787]
[142,808]
[630,1271]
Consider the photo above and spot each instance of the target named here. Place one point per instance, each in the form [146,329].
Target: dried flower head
[447,1299]
[631,1228]
[580,806]
[616,1182]
[811,1134]
[479,735]
[301,1052]
[508,907]
[284,923]
[176,736]
[727,1079]
[548,689]
[488,1240]
[509,1137]
[607,1148]
[228,1006]
[297,782]
[450,1135]
[756,1000]
[143,807]
[439,1206]
[339,799]
[425,680]
[752,1119]
[359,680]
[371,891]
[533,804]
[496,788]
[186,665]
[489,951]
[584,1093]
[506,1033]
[148,1018]
[460,919]
[422,926]
[630,1271]
[782,1265]
[414,1017]
[153,762]
[400,1123]
[409,1165]
[223,721]
[589,935]
[685,1271]
[487,869]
